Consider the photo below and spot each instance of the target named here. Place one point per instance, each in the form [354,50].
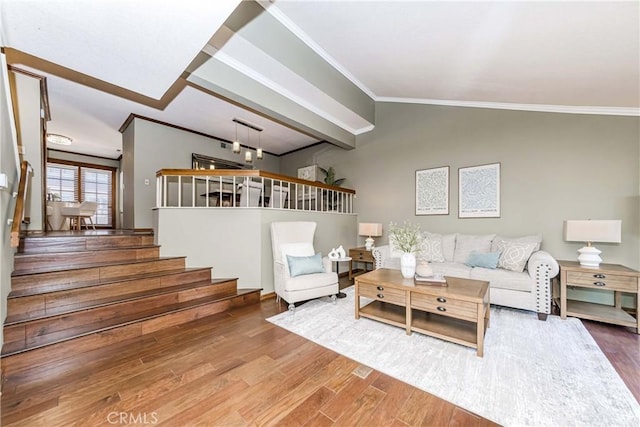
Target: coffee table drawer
[380,293]
[445,306]
[603,281]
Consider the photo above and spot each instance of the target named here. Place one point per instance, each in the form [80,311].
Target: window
[81,182]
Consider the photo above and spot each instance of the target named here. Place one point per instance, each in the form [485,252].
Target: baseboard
[270,295]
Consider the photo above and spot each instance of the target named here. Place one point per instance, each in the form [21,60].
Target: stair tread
[45,289]
[17,273]
[98,251]
[112,323]
[87,305]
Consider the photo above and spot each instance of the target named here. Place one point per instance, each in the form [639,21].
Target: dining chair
[79,213]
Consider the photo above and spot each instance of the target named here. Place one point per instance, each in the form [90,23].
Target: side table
[360,255]
[612,277]
[338,261]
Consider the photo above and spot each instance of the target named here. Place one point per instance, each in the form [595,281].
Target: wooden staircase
[77,292]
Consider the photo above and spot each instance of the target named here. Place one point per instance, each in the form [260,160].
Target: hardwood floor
[235,368]
[621,345]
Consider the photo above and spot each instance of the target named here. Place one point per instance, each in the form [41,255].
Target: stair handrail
[18,214]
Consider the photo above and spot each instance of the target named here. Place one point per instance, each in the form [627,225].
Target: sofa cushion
[466,243]
[300,265]
[392,262]
[514,255]
[430,248]
[310,281]
[504,279]
[451,269]
[536,238]
[477,259]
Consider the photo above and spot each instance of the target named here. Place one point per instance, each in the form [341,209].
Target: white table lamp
[606,231]
[369,229]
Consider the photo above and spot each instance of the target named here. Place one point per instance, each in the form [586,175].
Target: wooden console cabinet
[611,277]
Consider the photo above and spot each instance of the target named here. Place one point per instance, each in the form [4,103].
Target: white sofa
[522,278]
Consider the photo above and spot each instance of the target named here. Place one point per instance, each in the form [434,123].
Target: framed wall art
[432,191]
[479,191]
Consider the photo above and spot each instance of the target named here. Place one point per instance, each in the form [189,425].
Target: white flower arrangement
[406,237]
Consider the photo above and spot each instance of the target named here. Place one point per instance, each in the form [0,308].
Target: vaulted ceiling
[310,70]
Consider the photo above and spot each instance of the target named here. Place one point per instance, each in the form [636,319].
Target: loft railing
[232,188]
[21,201]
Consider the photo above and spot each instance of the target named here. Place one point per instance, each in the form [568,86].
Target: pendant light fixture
[247,155]
[236,143]
[259,154]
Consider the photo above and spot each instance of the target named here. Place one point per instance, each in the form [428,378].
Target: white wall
[236,242]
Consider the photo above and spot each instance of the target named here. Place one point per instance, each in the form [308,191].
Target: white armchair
[296,240]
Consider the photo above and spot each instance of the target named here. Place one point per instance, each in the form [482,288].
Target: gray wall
[149,147]
[7,203]
[553,167]
[30,136]
[236,242]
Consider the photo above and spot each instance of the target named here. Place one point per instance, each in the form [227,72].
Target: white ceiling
[581,57]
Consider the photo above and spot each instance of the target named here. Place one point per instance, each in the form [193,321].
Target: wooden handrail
[250,173]
[18,213]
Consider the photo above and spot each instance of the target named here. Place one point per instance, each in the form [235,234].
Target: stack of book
[435,280]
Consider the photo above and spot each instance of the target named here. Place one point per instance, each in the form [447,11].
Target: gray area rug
[533,373]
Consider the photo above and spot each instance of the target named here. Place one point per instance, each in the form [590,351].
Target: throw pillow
[514,255]
[299,265]
[535,238]
[448,244]
[431,248]
[466,243]
[477,259]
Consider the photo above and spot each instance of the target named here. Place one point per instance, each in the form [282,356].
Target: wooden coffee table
[458,312]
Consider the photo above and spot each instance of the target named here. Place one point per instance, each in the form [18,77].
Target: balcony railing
[232,188]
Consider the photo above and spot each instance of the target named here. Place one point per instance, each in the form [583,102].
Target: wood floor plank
[226,370]
[309,407]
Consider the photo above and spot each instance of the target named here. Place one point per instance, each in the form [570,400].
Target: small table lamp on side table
[370,229]
[607,231]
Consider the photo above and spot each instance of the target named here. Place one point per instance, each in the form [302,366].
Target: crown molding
[567,109]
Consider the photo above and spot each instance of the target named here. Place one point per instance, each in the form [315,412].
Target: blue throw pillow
[299,265]
[477,259]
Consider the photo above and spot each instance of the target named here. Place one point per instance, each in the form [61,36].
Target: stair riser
[78,258]
[32,282]
[81,243]
[44,331]
[39,304]
[51,353]
[205,291]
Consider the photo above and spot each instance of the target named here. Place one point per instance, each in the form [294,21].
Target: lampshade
[369,229]
[606,231]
